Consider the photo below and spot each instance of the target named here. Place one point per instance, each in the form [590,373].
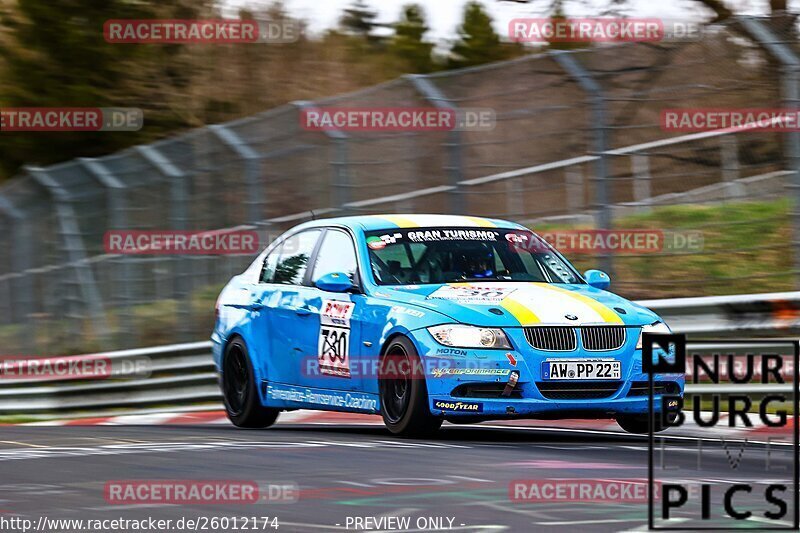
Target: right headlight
[460,336]
[656,327]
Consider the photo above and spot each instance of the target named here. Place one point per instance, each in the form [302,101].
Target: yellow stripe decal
[400,222]
[518,310]
[482,222]
[606,313]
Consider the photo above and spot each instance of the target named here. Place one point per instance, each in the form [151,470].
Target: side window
[293,260]
[337,254]
[269,266]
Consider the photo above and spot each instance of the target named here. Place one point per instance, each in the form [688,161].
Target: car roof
[408,221]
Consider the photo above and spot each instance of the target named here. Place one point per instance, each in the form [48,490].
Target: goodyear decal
[458,407]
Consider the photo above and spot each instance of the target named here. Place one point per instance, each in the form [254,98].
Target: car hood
[526,304]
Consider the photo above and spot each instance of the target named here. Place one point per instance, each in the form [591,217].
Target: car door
[332,339]
[281,295]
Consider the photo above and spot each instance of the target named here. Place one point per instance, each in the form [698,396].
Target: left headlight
[459,336]
[657,327]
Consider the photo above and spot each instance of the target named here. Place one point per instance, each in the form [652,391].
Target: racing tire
[240,390]
[640,424]
[404,398]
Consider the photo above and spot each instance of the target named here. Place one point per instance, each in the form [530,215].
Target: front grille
[583,390]
[602,338]
[552,338]
[485,390]
[640,388]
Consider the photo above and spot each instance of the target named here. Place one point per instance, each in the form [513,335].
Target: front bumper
[473,382]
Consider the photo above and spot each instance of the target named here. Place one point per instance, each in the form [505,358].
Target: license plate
[597,369]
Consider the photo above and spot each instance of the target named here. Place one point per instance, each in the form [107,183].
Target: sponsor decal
[451,351]
[334,338]
[452,235]
[406,311]
[440,372]
[337,313]
[517,238]
[376,243]
[472,294]
[349,400]
[458,406]
[391,239]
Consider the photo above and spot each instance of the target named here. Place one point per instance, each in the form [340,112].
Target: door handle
[302,311]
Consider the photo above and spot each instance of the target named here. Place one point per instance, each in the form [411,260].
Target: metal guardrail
[184,375]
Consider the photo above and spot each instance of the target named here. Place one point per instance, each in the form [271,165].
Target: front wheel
[240,390]
[404,392]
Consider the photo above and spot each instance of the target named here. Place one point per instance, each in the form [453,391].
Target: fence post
[20,282]
[252,171]
[729,154]
[179,220]
[600,128]
[455,151]
[75,250]
[642,190]
[118,220]
[575,189]
[790,89]
[340,195]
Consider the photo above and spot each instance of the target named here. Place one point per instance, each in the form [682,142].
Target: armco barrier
[183,375]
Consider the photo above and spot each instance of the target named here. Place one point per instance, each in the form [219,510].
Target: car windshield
[452,255]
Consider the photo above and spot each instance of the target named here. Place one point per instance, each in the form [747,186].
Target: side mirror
[597,279]
[335,282]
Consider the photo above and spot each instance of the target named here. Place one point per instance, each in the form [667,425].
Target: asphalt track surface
[362,471]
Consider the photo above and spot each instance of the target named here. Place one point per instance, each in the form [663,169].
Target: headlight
[658,327]
[458,336]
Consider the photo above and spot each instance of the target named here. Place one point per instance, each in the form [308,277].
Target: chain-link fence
[578,143]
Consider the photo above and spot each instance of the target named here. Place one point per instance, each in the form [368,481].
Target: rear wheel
[404,392]
[240,390]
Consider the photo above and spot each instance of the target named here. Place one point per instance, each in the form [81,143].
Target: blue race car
[426,318]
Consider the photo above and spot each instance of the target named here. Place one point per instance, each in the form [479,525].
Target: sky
[444,15]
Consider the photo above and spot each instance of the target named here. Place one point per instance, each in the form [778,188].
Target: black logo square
[663,341]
